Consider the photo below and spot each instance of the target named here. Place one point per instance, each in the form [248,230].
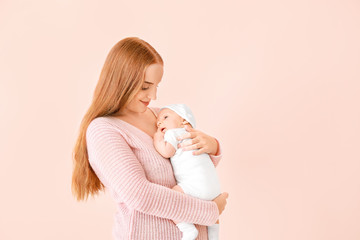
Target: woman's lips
[145,103]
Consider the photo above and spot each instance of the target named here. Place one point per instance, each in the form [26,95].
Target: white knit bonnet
[183,111]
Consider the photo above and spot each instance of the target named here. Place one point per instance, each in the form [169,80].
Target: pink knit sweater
[140,181]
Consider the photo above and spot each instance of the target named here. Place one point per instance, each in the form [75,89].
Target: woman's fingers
[186,135]
[197,140]
[200,151]
[189,128]
[191,133]
[221,201]
[193,144]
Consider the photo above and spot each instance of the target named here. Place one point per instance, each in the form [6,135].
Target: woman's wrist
[215,152]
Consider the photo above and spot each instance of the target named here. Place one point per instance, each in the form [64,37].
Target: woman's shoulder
[103,120]
[101,123]
[108,128]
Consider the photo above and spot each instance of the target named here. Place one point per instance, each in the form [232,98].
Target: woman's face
[153,76]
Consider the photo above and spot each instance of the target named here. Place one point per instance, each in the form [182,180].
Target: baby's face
[168,119]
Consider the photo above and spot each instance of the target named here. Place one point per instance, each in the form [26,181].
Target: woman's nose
[152,94]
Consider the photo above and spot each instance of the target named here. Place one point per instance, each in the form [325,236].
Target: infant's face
[168,119]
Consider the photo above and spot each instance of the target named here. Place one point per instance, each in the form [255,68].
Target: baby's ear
[185,122]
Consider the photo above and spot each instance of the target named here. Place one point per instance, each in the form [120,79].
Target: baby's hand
[158,136]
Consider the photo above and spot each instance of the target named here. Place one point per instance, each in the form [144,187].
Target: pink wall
[277,82]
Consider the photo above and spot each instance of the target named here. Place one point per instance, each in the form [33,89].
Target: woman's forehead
[154,73]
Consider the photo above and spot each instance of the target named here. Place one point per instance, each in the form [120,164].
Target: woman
[115,151]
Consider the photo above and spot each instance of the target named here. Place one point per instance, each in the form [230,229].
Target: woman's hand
[221,201]
[199,140]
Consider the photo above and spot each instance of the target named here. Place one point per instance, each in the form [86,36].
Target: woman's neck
[130,114]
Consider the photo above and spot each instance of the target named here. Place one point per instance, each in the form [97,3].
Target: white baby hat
[183,111]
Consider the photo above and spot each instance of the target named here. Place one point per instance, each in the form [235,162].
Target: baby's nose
[158,124]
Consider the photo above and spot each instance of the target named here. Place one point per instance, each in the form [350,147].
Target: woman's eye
[145,88]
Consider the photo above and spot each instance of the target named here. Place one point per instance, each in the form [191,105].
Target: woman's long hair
[121,78]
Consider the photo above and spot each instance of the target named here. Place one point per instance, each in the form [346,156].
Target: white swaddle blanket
[195,174]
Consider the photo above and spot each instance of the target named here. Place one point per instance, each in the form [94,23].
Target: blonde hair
[122,76]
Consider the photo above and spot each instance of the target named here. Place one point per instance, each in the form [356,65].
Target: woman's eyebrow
[149,82]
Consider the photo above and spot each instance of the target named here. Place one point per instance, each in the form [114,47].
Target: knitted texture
[140,181]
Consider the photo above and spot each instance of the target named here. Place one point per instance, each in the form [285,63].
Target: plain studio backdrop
[277,82]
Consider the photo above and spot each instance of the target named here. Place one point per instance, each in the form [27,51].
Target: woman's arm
[205,143]
[113,161]
[218,155]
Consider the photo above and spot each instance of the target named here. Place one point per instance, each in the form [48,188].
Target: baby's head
[175,116]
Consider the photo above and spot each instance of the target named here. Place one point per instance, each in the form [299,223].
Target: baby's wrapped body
[195,174]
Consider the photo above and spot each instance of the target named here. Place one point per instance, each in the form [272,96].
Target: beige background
[277,82]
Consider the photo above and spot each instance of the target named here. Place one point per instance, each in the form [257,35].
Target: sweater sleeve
[114,162]
[214,158]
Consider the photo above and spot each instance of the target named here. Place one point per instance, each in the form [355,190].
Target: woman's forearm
[217,157]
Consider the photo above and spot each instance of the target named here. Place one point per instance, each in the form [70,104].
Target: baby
[195,174]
